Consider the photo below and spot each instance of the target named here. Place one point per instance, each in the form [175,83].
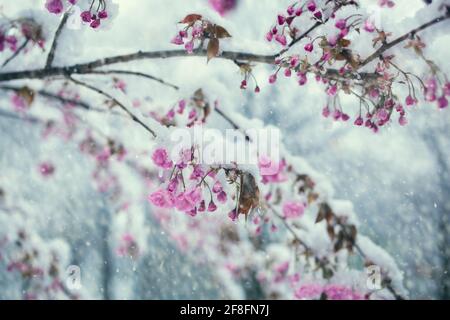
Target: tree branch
[16,53]
[63,100]
[51,55]
[395,42]
[121,105]
[85,68]
[134,73]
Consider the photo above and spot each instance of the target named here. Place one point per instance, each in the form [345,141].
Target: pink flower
[217,187]
[359,121]
[192,114]
[447,89]
[281,39]
[442,102]
[388,3]
[54,6]
[287,72]
[103,14]
[308,291]
[293,209]
[212,207]
[410,101]
[202,206]
[272,78]
[19,103]
[188,200]
[233,215]
[281,19]
[95,24]
[282,268]
[302,78]
[271,171]
[383,115]
[309,47]
[290,10]
[178,40]
[162,198]
[269,36]
[345,117]
[161,158]
[181,106]
[369,26]
[189,46]
[402,121]
[318,14]
[173,185]
[222,6]
[326,112]
[337,114]
[341,24]
[222,197]
[311,6]
[332,90]
[86,16]
[46,169]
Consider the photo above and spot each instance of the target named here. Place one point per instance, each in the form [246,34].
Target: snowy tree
[105,191]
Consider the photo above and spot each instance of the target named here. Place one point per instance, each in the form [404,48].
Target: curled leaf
[27,95]
[213,48]
[221,32]
[191,18]
[249,194]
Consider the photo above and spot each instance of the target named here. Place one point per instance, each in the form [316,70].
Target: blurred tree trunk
[443,207]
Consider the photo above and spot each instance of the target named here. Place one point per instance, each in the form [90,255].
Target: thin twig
[135,73]
[110,97]
[16,53]
[51,54]
[74,102]
[410,34]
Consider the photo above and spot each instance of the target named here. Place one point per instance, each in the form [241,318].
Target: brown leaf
[249,194]
[213,48]
[27,95]
[312,196]
[191,18]
[325,212]
[221,32]
[344,43]
[330,231]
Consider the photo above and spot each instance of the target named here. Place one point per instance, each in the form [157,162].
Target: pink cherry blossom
[442,102]
[223,6]
[54,6]
[161,158]
[162,198]
[293,209]
[46,169]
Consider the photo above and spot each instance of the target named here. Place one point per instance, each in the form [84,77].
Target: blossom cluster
[378,103]
[93,16]
[16,34]
[186,194]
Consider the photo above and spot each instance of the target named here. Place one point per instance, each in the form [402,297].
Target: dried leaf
[344,43]
[249,194]
[325,212]
[191,18]
[213,48]
[221,32]
[27,95]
